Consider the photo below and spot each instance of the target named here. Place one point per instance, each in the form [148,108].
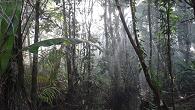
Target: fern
[48,94]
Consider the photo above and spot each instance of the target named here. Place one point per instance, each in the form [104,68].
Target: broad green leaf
[56,41]
[6,54]
[10,16]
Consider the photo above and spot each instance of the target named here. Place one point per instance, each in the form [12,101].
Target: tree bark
[150,32]
[35,58]
[106,29]
[132,6]
[169,53]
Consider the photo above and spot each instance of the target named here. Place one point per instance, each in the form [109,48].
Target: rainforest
[97,54]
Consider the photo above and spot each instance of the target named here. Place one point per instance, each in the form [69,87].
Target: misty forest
[97,54]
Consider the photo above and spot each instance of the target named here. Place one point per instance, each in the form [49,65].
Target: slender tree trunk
[169,52]
[35,58]
[138,51]
[151,37]
[132,6]
[158,38]
[68,61]
[74,68]
[106,28]
[19,59]
[193,5]
[89,97]
[116,104]
[29,54]
[65,33]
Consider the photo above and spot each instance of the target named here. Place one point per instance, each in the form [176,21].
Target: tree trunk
[106,28]
[35,58]
[151,37]
[138,51]
[132,6]
[193,4]
[169,53]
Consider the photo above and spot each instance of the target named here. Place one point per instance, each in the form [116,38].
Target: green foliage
[173,19]
[155,79]
[56,41]
[186,76]
[50,62]
[151,106]
[52,17]
[193,64]
[48,94]
[10,14]
[102,80]
[42,79]
[6,54]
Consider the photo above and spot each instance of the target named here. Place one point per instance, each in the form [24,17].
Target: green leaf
[56,41]
[11,10]
[48,94]
[193,64]
[6,54]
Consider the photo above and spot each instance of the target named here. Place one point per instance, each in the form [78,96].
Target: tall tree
[169,60]
[66,33]
[139,53]
[14,93]
[150,33]
[183,36]
[35,58]
[106,27]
